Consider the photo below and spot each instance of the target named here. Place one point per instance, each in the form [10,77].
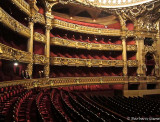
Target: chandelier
[113,3]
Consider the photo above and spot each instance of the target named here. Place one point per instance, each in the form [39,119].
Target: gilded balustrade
[40,59]
[85,29]
[84,45]
[23,5]
[39,37]
[132,63]
[150,49]
[68,81]
[10,53]
[39,18]
[131,47]
[13,24]
[85,62]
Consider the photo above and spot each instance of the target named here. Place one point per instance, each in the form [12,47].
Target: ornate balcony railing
[23,5]
[85,62]
[85,45]
[68,81]
[10,53]
[13,24]
[40,59]
[40,37]
[132,63]
[150,49]
[131,47]
[39,18]
[85,29]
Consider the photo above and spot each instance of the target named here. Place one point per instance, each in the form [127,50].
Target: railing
[67,81]
[23,5]
[40,37]
[131,47]
[85,29]
[150,49]
[40,59]
[85,45]
[10,53]
[85,62]
[132,63]
[13,24]
[39,18]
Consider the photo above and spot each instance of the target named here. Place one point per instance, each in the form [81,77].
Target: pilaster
[124,54]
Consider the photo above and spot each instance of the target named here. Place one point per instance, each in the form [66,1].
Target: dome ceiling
[113,3]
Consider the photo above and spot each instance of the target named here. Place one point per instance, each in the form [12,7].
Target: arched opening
[150,64]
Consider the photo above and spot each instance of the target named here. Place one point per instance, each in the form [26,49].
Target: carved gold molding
[68,81]
[40,59]
[85,62]
[13,24]
[150,49]
[23,5]
[84,45]
[131,47]
[40,37]
[10,53]
[37,17]
[132,63]
[84,29]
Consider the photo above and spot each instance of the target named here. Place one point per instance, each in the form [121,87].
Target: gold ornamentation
[13,24]
[14,54]
[47,70]
[37,17]
[84,45]
[40,37]
[132,63]
[23,5]
[131,47]
[85,62]
[150,49]
[84,29]
[40,59]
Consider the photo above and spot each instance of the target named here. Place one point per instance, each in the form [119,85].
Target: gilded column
[30,47]
[138,57]
[49,18]
[124,54]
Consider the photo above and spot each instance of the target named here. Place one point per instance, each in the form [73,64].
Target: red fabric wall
[38,48]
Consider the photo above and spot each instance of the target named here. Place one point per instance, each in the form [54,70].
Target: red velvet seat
[53,54]
[51,35]
[118,42]
[82,56]
[60,55]
[96,57]
[119,57]
[68,55]
[89,56]
[104,57]
[75,56]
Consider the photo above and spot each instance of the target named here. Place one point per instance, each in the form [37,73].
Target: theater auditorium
[79,60]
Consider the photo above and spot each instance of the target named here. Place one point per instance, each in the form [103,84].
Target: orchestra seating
[66,105]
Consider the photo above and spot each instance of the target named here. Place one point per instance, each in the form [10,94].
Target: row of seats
[67,105]
[130,107]
[85,72]
[89,40]
[88,55]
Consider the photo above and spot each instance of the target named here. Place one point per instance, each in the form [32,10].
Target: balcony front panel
[40,59]
[10,53]
[131,47]
[85,29]
[13,24]
[39,18]
[23,5]
[85,45]
[40,37]
[132,63]
[85,62]
[150,49]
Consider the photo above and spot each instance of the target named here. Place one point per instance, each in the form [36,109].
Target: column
[138,57]
[142,57]
[49,18]
[124,54]
[30,47]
